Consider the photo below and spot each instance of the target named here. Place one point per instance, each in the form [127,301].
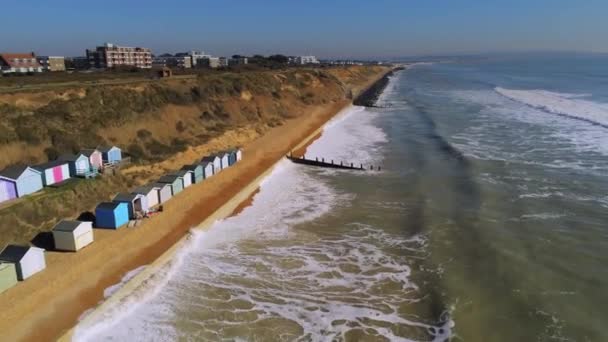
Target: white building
[72,235]
[307,60]
[19,63]
[151,193]
[28,260]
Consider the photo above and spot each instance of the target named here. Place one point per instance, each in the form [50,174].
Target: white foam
[572,105]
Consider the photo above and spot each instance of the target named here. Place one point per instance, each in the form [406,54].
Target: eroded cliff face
[161,124]
[152,120]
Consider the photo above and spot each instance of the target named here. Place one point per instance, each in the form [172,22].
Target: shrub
[180,127]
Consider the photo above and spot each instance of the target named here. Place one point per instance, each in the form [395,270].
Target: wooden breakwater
[330,164]
[370,96]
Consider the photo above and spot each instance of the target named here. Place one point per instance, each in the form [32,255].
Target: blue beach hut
[18,181]
[111,155]
[111,215]
[197,172]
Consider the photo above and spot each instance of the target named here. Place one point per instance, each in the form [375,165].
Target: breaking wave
[570,105]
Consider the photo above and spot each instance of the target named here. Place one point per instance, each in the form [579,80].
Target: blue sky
[378,28]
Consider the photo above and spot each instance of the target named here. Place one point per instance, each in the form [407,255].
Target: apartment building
[52,63]
[110,55]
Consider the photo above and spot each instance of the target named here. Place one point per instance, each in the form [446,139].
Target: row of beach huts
[17,263]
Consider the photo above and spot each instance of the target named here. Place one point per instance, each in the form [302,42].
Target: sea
[487,221]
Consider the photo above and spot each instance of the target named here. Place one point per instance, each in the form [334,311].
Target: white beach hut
[151,193]
[164,192]
[215,161]
[225,159]
[72,235]
[28,260]
[207,169]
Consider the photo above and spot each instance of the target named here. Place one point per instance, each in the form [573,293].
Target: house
[225,159]
[111,155]
[95,158]
[18,181]
[53,172]
[72,235]
[197,172]
[19,63]
[207,169]
[8,276]
[164,191]
[176,182]
[27,260]
[151,194]
[185,175]
[137,203]
[111,215]
[215,160]
[79,165]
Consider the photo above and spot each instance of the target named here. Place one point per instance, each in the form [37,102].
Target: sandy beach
[50,303]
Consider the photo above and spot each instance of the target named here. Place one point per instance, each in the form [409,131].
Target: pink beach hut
[53,172]
[95,158]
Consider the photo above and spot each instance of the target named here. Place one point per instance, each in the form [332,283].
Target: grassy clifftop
[151,121]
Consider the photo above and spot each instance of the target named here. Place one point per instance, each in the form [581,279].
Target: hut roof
[89,151]
[48,165]
[107,205]
[180,173]
[70,157]
[210,158]
[169,178]
[107,148]
[145,189]
[14,172]
[124,197]
[161,185]
[67,226]
[13,253]
[191,167]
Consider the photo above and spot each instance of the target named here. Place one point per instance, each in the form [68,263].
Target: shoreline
[52,303]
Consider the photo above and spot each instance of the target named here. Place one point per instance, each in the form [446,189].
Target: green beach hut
[8,276]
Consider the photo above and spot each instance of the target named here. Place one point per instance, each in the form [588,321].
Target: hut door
[137,206]
[57,174]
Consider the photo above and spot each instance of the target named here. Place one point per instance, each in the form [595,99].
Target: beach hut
[53,172]
[95,158]
[79,165]
[138,204]
[225,159]
[72,235]
[111,155]
[215,161]
[234,155]
[164,191]
[176,182]
[111,215]
[197,172]
[8,276]
[185,175]
[18,181]
[151,194]
[207,169]
[28,260]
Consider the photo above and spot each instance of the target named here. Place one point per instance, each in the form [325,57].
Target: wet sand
[51,302]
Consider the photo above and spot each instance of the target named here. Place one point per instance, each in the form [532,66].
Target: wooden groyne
[330,164]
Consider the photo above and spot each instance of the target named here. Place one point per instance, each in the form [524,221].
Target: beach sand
[51,302]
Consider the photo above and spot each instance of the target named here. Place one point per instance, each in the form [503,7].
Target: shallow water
[486,223]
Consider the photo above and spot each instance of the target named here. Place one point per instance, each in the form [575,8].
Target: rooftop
[67,225]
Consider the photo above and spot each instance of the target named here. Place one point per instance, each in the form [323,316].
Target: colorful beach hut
[95,158]
[176,182]
[137,203]
[185,175]
[8,276]
[207,169]
[18,181]
[53,172]
[215,161]
[151,194]
[164,191]
[111,215]
[79,165]
[72,235]
[28,260]
[234,155]
[197,172]
[111,155]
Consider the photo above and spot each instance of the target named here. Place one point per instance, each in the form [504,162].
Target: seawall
[369,97]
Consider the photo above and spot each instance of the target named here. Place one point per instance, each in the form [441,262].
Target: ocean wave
[570,105]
